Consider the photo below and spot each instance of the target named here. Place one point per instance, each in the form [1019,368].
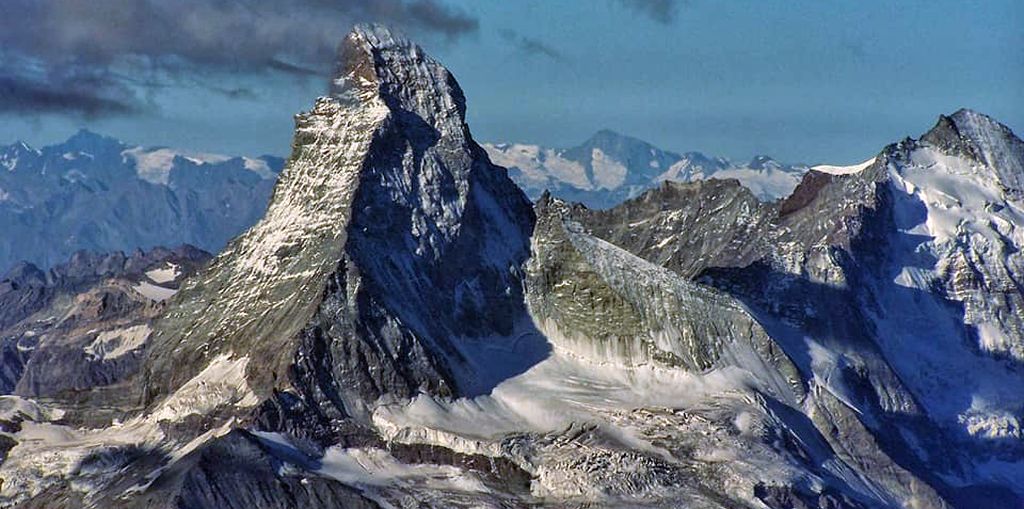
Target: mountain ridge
[97,193]
[609,168]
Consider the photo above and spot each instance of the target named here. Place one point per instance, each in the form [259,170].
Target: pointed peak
[25,274]
[89,141]
[608,137]
[973,134]
[623,148]
[976,125]
[763,162]
[374,63]
[609,133]
[545,198]
[966,124]
[378,36]
[84,133]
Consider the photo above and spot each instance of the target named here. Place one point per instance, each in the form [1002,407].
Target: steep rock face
[654,379]
[380,309]
[967,177]
[601,303]
[688,227]
[389,235]
[96,193]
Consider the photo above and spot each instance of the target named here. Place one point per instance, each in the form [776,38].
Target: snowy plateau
[406,327]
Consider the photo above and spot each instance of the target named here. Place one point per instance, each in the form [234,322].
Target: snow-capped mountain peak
[91,142]
[763,162]
[609,168]
[970,134]
[403,328]
[385,190]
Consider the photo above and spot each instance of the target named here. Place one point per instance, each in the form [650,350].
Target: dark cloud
[290,68]
[531,46]
[234,92]
[662,11]
[88,93]
[161,41]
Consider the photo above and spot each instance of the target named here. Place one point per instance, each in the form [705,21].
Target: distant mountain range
[94,192]
[610,167]
[97,193]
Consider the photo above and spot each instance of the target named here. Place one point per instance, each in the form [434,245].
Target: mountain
[83,322]
[404,329]
[610,168]
[892,285]
[95,193]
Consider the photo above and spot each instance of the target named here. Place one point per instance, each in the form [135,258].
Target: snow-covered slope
[610,168]
[96,193]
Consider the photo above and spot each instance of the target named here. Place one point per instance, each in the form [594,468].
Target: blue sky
[801,80]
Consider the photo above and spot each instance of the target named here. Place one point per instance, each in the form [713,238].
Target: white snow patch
[116,343]
[223,382]
[765,184]
[259,167]
[154,292]
[364,467]
[608,173]
[205,158]
[153,166]
[843,170]
[539,165]
[167,273]
[581,390]
[12,406]
[951,212]
[665,242]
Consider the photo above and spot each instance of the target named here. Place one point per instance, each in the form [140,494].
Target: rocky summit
[403,328]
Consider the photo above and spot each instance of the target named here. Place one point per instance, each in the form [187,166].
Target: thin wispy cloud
[662,11]
[530,46]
